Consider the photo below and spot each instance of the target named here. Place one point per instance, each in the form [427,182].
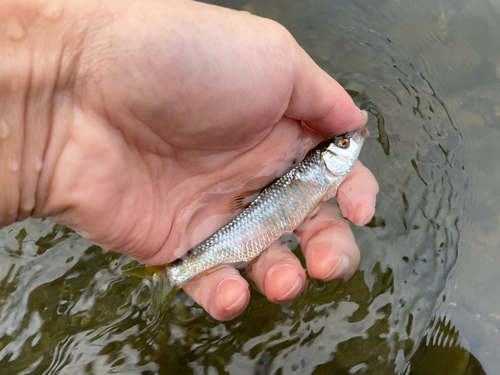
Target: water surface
[424,298]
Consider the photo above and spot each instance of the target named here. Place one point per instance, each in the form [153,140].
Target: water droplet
[13,163]
[29,204]
[38,165]
[52,11]
[15,31]
[4,129]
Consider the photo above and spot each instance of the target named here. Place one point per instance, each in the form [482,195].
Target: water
[424,299]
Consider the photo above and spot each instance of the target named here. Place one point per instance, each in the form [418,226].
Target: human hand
[170,109]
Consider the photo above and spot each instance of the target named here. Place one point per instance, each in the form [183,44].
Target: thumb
[320,101]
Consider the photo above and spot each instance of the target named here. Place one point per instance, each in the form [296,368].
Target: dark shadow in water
[441,353]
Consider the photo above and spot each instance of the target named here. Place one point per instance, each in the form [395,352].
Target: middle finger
[328,244]
[277,273]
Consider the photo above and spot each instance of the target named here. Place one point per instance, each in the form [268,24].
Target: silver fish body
[280,208]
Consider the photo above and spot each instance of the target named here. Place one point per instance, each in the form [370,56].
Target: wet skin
[161,114]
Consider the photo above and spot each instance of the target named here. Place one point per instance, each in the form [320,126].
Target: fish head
[342,151]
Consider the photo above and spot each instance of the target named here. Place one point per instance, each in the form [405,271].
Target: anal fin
[239,265]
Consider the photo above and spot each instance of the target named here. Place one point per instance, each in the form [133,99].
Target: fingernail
[237,303]
[368,219]
[282,275]
[363,118]
[294,290]
[340,270]
[227,300]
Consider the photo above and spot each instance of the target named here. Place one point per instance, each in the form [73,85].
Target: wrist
[15,68]
[41,46]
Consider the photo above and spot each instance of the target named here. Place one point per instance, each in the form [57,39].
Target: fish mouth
[363,131]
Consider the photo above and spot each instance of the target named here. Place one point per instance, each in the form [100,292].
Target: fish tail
[161,289]
[161,292]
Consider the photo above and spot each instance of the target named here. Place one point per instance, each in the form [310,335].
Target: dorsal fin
[245,198]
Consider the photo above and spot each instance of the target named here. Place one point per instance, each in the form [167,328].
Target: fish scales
[280,208]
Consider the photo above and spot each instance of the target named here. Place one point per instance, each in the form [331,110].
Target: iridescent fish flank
[280,208]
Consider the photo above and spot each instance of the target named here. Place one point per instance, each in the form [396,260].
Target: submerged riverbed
[423,300]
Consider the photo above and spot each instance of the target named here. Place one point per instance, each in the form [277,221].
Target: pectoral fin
[325,197]
[243,200]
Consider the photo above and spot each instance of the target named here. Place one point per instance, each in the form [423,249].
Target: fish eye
[343,143]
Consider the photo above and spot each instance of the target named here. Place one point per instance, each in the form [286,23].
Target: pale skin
[136,123]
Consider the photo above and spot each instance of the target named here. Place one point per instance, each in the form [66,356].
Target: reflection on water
[65,306]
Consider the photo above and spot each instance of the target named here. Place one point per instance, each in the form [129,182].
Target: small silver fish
[280,208]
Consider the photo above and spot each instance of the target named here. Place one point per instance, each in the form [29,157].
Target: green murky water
[424,298]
